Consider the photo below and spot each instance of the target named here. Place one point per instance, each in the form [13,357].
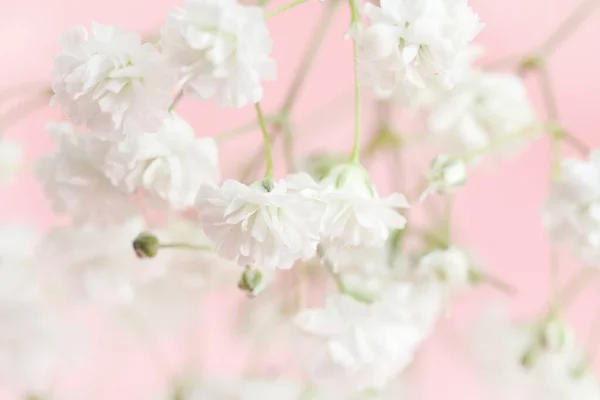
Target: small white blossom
[221,49]
[110,81]
[364,344]
[260,226]
[74,181]
[413,46]
[571,212]
[11,160]
[485,111]
[450,267]
[355,214]
[446,174]
[169,165]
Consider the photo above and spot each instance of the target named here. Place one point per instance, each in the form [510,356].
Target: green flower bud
[252,281]
[146,245]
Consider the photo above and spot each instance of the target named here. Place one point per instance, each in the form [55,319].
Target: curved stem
[357,105]
[284,7]
[181,245]
[267,140]
[176,100]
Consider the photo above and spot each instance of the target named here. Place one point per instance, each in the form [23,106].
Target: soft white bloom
[74,181]
[518,360]
[221,49]
[571,212]
[485,111]
[450,266]
[364,344]
[169,165]
[11,160]
[110,81]
[263,228]
[356,215]
[415,45]
[446,174]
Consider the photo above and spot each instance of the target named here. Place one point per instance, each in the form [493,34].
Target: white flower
[73,179]
[451,267]
[356,215]
[446,174]
[485,111]
[169,165]
[415,45]
[266,229]
[365,344]
[221,49]
[111,82]
[515,360]
[11,160]
[571,212]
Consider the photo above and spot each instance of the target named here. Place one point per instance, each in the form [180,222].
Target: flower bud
[554,335]
[446,173]
[351,177]
[252,281]
[146,245]
[320,165]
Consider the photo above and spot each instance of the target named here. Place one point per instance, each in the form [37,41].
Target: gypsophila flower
[487,111]
[11,160]
[446,174]
[450,266]
[415,45]
[364,344]
[571,212]
[221,49]
[262,226]
[355,214]
[111,82]
[74,181]
[169,165]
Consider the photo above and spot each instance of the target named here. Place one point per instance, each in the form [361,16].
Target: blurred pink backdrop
[497,214]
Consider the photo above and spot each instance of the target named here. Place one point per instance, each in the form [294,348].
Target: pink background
[497,214]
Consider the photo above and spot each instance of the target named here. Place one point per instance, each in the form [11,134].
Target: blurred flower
[415,45]
[169,165]
[73,179]
[446,174]
[571,212]
[365,345]
[111,82]
[487,111]
[11,160]
[263,225]
[221,49]
[450,267]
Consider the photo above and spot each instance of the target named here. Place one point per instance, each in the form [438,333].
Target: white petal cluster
[365,345]
[356,215]
[110,81]
[571,212]
[415,45]
[450,266]
[11,160]
[485,111]
[521,366]
[221,49]
[262,225]
[168,165]
[74,181]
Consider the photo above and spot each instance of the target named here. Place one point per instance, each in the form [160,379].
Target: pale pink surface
[497,214]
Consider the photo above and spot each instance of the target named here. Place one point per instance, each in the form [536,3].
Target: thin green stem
[529,132]
[357,95]
[22,110]
[187,246]
[176,100]
[245,128]
[267,141]
[283,8]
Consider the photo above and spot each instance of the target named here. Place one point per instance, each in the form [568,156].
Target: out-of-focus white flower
[446,174]
[485,111]
[415,45]
[571,212]
[450,267]
[111,82]
[517,361]
[221,49]
[169,165]
[74,181]
[11,160]
[262,226]
[365,344]
[356,215]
